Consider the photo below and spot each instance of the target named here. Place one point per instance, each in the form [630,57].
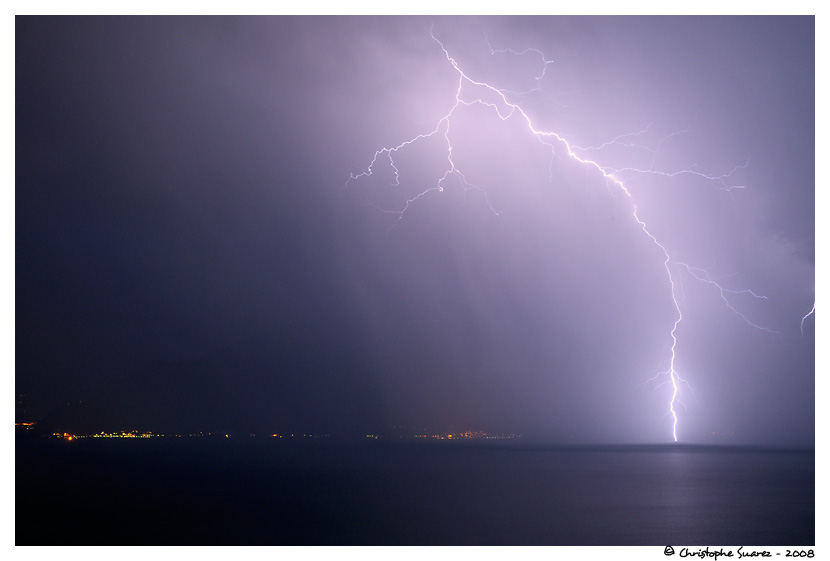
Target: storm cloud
[185,220]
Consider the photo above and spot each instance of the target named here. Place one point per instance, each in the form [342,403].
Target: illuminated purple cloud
[581,229]
[514,108]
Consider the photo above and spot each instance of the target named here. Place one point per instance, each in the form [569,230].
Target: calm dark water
[256,492]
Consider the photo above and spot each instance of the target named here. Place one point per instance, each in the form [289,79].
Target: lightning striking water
[504,108]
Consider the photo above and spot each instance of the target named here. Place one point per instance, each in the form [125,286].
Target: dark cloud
[182,213]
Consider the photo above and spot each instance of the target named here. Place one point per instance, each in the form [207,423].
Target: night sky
[191,253]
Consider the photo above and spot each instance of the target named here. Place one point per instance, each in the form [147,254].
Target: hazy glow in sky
[182,224]
[506,103]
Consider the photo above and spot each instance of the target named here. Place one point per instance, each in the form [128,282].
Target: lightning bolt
[704,276]
[808,314]
[506,109]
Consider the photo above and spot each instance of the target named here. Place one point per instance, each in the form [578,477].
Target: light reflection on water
[405,494]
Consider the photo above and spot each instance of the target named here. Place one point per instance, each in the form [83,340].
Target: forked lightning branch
[509,108]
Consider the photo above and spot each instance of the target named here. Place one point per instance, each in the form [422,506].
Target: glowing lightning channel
[703,276]
[673,376]
[808,314]
[548,139]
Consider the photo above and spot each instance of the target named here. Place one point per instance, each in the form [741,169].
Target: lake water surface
[273,492]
